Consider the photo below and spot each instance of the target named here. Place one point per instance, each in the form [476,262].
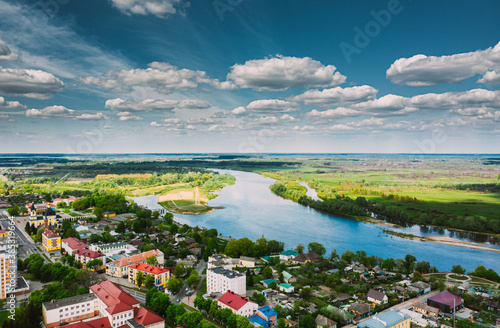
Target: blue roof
[258,321]
[391,318]
[268,281]
[289,252]
[267,311]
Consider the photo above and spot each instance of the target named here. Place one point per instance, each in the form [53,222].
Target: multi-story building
[221,280]
[240,305]
[67,310]
[8,269]
[41,214]
[117,248]
[220,260]
[106,306]
[71,244]
[161,275]
[51,240]
[119,268]
[84,255]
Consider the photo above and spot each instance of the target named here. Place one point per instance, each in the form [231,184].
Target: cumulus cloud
[159,8]
[128,116]
[4,104]
[337,96]
[163,77]
[267,106]
[29,83]
[422,70]
[54,112]
[333,113]
[6,53]
[281,73]
[463,99]
[274,119]
[154,104]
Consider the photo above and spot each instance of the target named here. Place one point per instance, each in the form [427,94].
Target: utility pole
[454,311]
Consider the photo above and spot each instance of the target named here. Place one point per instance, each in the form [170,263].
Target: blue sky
[249,76]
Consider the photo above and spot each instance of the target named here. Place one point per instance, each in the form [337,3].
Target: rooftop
[50,234]
[375,294]
[95,323]
[227,273]
[267,311]
[446,297]
[68,301]
[233,300]
[384,320]
[74,243]
[289,253]
[426,307]
[126,261]
[88,253]
[148,268]
[113,295]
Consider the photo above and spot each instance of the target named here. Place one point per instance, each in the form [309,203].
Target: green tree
[13,211]
[139,278]
[149,281]
[299,249]
[316,248]
[423,267]
[152,260]
[388,264]
[193,279]
[267,272]
[409,262]
[174,284]
[458,269]
[273,285]
[281,323]
[334,256]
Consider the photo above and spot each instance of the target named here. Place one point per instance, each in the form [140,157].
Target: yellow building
[4,232]
[51,240]
[39,213]
[8,270]
[160,275]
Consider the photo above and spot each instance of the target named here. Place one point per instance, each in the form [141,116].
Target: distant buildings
[67,201]
[84,256]
[119,268]
[288,255]
[51,240]
[240,305]
[221,280]
[41,214]
[265,317]
[71,244]
[106,306]
[305,258]
[377,297]
[116,248]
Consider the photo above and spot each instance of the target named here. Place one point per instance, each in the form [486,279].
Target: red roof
[127,261]
[193,245]
[50,234]
[445,297]
[88,253]
[146,317]
[74,243]
[148,268]
[233,300]
[112,294]
[118,308]
[95,323]
[4,231]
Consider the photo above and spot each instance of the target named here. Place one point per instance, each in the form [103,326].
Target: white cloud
[267,106]
[91,117]
[497,116]
[337,96]
[463,99]
[29,83]
[4,104]
[341,127]
[159,8]
[163,77]
[128,116]
[54,112]
[490,77]
[6,53]
[274,119]
[51,112]
[334,113]
[281,73]
[421,70]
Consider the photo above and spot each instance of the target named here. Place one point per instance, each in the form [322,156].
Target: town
[143,269]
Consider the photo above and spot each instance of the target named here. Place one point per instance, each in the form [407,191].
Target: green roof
[289,252]
[286,285]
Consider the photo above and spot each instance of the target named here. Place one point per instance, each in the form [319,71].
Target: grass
[71,213]
[186,207]
[4,315]
[457,277]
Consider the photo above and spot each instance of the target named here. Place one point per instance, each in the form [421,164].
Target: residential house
[288,255]
[425,309]
[388,319]
[119,268]
[51,240]
[305,258]
[377,297]
[265,317]
[220,260]
[361,310]
[267,282]
[286,288]
[493,306]
[84,256]
[240,305]
[288,278]
[110,249]
[445,301]
[71,244]
[245,262]
[161,275]
[324,322]
[423,288]
[221,280]
[346,316]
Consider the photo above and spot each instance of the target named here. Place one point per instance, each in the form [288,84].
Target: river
[252,210]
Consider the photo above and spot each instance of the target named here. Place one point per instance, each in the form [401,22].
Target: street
[22,238]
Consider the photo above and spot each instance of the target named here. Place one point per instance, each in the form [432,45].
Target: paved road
[141,297]
[22,237]
[181,296]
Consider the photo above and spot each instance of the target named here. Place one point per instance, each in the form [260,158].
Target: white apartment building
[8,269]
[240,305]
[221,280]
[67,310]
[116,248]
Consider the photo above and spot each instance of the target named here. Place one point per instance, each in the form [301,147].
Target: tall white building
[221,280]
[72,309]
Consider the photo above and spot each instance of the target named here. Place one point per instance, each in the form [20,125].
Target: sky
[249,76]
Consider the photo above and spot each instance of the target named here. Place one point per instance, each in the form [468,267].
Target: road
[141,297]
[22,238]
[182,294]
